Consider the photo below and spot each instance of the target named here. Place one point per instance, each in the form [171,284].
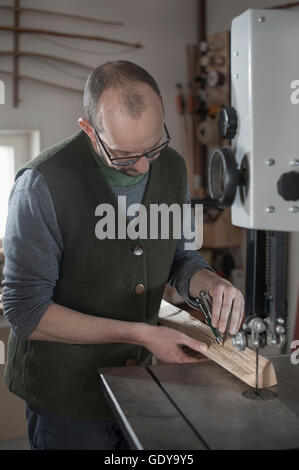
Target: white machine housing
[265,67]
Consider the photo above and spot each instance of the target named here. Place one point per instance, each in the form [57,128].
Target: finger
[236,314]
[228,298]
[242,314]
[196,345]
[192,353]
[217,299]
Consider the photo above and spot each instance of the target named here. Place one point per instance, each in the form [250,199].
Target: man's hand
[166,344]
[227,301]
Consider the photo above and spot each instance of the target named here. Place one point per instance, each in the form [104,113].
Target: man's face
[125,136]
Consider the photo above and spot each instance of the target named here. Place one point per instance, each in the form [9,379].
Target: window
[16,148]
[7,171]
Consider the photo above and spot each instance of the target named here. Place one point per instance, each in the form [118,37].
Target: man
[76,302]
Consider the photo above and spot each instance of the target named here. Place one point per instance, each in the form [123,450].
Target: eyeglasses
[126,161]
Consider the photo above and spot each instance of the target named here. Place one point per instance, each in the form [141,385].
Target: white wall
[163,27]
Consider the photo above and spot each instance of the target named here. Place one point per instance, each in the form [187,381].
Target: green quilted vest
[97,277]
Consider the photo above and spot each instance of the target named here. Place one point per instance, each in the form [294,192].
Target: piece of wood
[221,233]
[287,5]
[45,56]
[190,52]
[69,35]
[42,82]
[184,127]
[239,363]
[65,15]
[201,33]
[16,65]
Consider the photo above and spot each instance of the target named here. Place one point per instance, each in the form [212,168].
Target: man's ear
[86,127]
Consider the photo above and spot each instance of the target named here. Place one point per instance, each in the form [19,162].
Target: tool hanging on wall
[208,132]
[17,30]
[183,104]
[213,44]
[216,96]
[195,111]
[64,15]
[213,84]
[215,78]
[208,66]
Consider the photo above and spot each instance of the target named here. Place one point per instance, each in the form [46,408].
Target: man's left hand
[227,301]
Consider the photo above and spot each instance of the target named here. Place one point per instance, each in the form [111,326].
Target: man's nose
[142,166]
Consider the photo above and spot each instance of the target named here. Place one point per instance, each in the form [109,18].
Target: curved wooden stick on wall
[17,30]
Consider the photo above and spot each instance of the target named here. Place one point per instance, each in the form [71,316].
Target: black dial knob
[223,176]
[228,123]
[288,186]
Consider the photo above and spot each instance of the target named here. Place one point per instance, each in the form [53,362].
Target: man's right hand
[167,344]
[64,325]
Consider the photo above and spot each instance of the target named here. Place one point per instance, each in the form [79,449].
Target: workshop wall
[162,27]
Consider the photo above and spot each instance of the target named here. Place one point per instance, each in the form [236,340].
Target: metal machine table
[201,406]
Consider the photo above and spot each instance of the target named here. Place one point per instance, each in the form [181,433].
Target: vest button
[137,250]
[139,289]
[131,362]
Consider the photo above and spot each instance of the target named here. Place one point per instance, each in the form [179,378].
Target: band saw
[202,406]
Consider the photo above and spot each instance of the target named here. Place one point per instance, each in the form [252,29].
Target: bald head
[123,103]
[130,120]
[122,76]
[132,101]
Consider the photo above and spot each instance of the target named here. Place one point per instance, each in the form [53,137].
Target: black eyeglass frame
[135,158]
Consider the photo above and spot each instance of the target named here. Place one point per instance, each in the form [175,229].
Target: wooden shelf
[221,233]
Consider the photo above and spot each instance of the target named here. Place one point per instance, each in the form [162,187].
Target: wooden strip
[200,150]
[201,20]
[69,35]
[42,82]
[16,67]
[239,363]
[287,5]
[190,116]
[46,56]
[65,15]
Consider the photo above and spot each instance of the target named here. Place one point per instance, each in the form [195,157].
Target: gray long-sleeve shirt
[33,247]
